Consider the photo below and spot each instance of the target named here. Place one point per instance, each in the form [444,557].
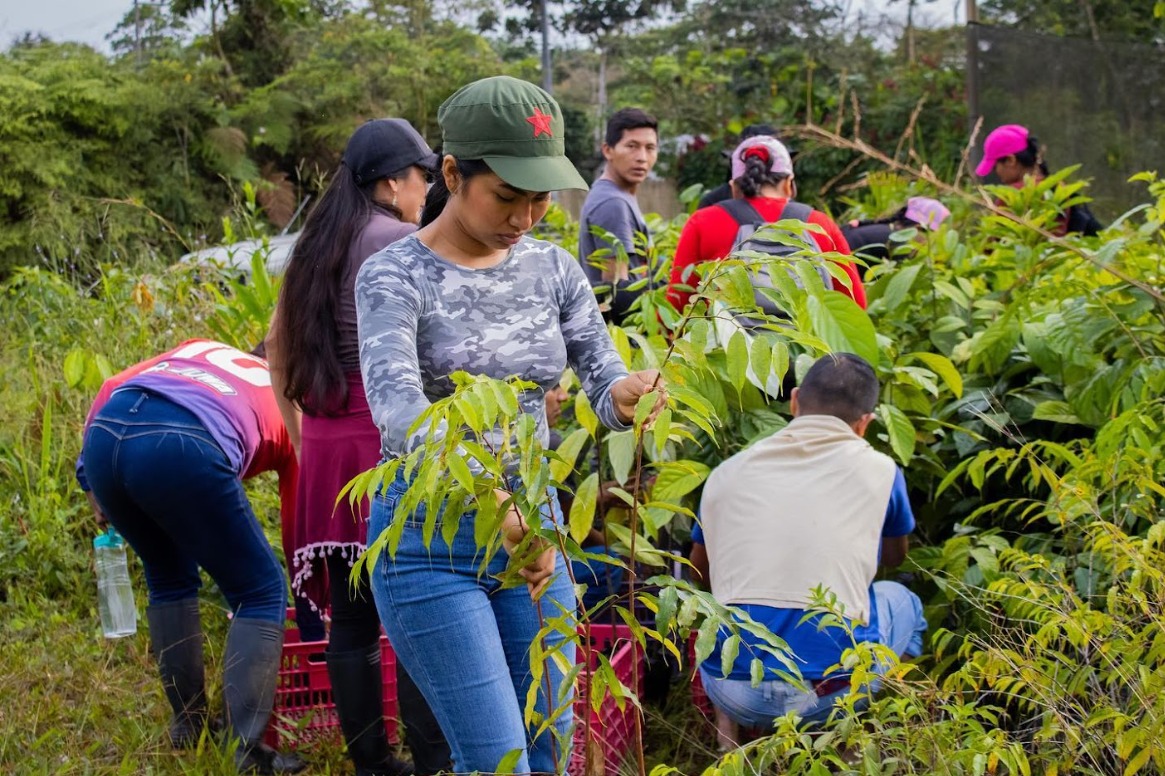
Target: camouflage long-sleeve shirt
[420,318]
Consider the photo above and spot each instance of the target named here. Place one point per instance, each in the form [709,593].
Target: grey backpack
[749,221]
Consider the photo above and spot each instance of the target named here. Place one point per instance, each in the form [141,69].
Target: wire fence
[1100,104]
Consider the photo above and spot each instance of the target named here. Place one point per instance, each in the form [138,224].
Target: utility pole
[137,32]
[547,73]
[972,64]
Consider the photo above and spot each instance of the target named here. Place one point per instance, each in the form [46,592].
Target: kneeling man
[812,505]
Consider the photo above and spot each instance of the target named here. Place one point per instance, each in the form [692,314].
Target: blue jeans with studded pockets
[465,640]
[170,490]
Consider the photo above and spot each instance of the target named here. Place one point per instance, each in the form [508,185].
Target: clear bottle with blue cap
[119,615]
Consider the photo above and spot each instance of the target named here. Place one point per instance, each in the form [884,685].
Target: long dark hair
[438,194]
[756,176]
[1031,158]
[309,301]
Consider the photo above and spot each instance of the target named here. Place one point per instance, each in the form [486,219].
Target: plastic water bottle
[119,616]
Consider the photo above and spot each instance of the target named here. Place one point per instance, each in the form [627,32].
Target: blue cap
[111,539]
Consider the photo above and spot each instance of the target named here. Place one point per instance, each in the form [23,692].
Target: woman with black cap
[374,198]
[472,291]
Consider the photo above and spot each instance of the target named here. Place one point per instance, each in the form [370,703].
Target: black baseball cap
[383,147]
[756,130]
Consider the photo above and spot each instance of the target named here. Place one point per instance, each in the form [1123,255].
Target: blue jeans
[465,641]
[900,627]
[169,489]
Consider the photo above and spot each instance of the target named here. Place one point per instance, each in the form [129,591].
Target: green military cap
[514,127]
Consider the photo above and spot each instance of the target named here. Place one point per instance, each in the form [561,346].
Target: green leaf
[567,452]
[706,639]
[899,286]
[844,326]
[621,451]
[1056,411]
[677,479]
[942,366]
[669,601]
[460,471]
[728,653]
[510,761]
[736,289]
[991,347]
[643,408]
[582,509]
[662,429]
[737,354]
[901,431]
[761,358]
[756,671]
[75,367]
[780,359]
[584,414]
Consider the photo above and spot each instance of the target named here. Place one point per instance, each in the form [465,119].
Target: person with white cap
[763,187]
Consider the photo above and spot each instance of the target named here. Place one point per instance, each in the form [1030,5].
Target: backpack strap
[797,211]
[742,212]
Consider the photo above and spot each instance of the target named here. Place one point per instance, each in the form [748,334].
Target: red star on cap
[541,122]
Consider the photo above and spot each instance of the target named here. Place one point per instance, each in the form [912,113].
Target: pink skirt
[333,450]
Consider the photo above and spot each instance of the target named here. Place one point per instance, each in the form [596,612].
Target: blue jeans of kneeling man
[465,640]
[900,627]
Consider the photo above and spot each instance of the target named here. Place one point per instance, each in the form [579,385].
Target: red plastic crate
[610,733]
[305,711]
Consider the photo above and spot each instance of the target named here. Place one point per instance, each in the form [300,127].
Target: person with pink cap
[1014,155]
[762,185]
[870,239]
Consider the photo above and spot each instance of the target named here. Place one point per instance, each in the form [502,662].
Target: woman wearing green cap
[472,291]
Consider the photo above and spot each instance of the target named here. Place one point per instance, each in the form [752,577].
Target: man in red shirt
[167,445]
[762,176]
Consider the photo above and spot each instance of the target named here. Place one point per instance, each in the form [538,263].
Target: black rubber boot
[423,734]
[254,649]
[176,637]
[357,690]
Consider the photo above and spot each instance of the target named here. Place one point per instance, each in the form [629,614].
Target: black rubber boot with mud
[176,638]
[423,734]
[357,688]
[251,668]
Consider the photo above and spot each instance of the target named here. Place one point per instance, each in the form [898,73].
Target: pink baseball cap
[770,150]
[926,212]
[1003,141]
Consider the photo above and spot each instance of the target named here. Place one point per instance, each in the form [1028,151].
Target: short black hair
[629,118]
[839,384]
[756,130]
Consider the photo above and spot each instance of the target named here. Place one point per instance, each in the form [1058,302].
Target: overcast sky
[89,21]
